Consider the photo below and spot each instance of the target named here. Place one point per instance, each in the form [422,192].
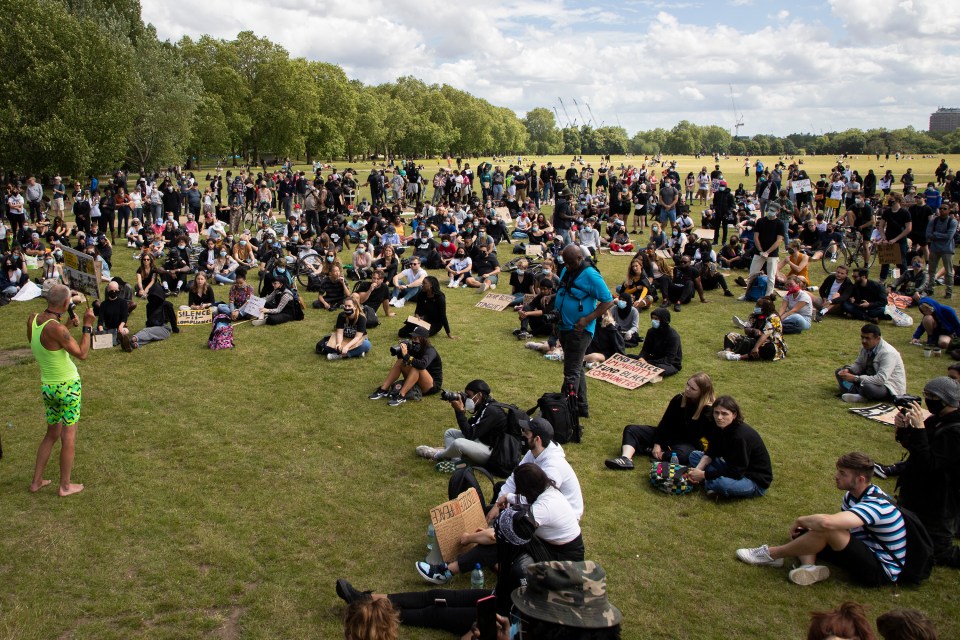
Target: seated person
[589,238]
[333,290]
[207,257]
[176,268]
[362,267]
[419,364]
[406,284]
[657,237]
[534,316]
[200,294]
[474,437]
[867,300]
[912,283]
[620,242]
[680,288]
[762,337]
[627,320]
[243,252]
[877,373]
[425,248]
[225,267]
[606,341]
[487,269]
[349,337]
[637,285]
[240,293]
[834,291]
[687,419]
[458,268]
[939,322]
[374,294]
[521,282]
[736,463]
[112,315]
[797,308]
[388,262]
[711,278]
[431,308]
[281,306]
[160,314]
[796,264]
[661,345]
[859,538]
[810,240]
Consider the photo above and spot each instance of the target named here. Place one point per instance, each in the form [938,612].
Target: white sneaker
[400,303]
[742,298]
[758,556]
[852,397]
[430,453]
[393,302]
[493,286]
[333,356]
[808,574]
[259,322]
[728,355]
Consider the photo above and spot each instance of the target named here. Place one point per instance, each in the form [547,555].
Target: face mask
[445,244]
[223,254]
[547,272]
[243,243]
[771,214]
[461,255]
[329,258]
[112,295]
[520,272]
[793,289]
[536,228]
[303,228]
[621,304]
[935,405]
[470,405]
[655,323]
[229,238]
[281,270]
[361,249]
[757,311]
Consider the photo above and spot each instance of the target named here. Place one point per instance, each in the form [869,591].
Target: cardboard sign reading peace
[454,518]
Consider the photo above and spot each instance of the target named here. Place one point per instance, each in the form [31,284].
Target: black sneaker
[397,400]
[378,393]
[885,471]
[348,594]
[676,307]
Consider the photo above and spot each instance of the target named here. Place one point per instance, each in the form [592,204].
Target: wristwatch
[88,330]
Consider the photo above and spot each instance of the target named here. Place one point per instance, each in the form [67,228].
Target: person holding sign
[895,225]
[60,386]
[431,308]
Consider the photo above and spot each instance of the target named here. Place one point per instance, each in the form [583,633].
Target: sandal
[620,463]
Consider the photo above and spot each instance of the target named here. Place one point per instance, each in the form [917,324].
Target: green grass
[226,491]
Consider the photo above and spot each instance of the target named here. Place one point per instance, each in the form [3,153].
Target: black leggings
[280,318]
[123,219]
[451,610]
[108,219]
[641,437]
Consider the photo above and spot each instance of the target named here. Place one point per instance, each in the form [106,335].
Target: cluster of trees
[89,87]
[545,137]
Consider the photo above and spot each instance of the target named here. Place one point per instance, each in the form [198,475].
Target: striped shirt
[881,521]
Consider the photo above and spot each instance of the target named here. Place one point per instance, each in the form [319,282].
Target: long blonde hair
[369,619]
[357,308]
[707,396]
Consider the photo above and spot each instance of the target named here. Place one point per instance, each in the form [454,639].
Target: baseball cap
[539,427]
[420,332]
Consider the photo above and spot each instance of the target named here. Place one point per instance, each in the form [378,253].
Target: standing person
[868,537]
[941,230]
[895,225]
[768,236]
[34,198]
[582,297]
[52,346]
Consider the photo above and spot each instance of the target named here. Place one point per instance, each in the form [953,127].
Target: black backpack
[466,477]
[556,409]
[509,447]
[919,562]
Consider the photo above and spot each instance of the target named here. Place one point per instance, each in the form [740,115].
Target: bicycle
[853,252]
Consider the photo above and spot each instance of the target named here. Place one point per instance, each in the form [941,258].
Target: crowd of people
[188,240]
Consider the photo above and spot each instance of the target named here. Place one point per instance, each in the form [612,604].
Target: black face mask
[935,405]
[112,295]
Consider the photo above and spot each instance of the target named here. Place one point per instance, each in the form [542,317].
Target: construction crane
[564,107]
[738,117]
[556,113]
[592,117]
[582,119]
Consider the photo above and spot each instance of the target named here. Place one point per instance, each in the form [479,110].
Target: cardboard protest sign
[705,234]
[32,262]
[102,341]
[626,372]
[889,253]
[194,238]
[832,203]
[194,316]
[534,250]
[253,306]
[665,254]
[883,413]
[801,186]
[81,272]
[418,322]
[495,301]
[454,518]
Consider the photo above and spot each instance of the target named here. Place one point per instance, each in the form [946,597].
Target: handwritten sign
[883,413]
[194,238]
[454,518]
[666,254]
[889,254]
[801,186]
[534,250]
[32,262]
[626,372]
[82,272]
[253,307]
[194,316]
[705,234]
[102,341]
[414,320]
[495,301]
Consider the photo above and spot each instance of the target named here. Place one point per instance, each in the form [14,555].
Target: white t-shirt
[459,264]
[409,275]
[556,518]
[836,189]
[807,309]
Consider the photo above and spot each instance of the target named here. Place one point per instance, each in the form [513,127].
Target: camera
[903,402]
[551,317]
[395,349]
[450,396]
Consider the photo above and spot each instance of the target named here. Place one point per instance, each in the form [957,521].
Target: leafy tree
[543,135]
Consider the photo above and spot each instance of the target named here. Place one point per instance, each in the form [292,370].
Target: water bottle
[431,537]
[476,577]
[674,459]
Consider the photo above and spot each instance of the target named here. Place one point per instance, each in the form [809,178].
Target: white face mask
[470,405]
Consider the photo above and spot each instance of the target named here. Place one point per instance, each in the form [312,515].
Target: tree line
[88,87]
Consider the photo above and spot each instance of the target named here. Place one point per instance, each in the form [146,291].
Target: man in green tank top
[52,346]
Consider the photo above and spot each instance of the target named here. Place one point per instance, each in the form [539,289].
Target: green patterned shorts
[62,401]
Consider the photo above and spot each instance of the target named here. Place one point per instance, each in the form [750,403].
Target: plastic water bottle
[431,537]
[674,459]
[476,577]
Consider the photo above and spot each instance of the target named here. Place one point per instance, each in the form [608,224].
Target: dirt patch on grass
[10,357]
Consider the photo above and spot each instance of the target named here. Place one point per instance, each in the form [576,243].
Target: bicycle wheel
[305,266]
[828,262]
[873,256]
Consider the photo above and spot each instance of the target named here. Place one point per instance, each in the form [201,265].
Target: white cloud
[789,73]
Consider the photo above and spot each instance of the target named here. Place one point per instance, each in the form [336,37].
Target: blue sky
[824,65]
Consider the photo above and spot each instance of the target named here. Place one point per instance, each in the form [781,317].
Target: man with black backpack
[582,297]
[868,537]
[929,483]
[474,437]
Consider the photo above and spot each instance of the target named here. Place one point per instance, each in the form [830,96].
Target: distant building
[945,119]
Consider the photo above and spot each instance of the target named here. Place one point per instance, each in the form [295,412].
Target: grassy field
[226,491]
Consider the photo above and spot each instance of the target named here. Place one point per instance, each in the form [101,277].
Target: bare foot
[390,315]
[36,487]
[70,490]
